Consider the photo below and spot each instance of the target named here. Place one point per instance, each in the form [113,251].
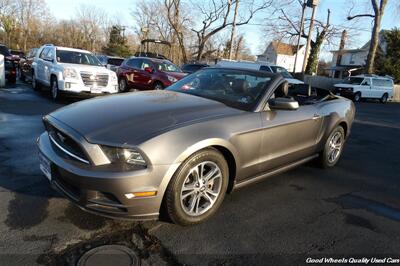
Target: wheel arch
[343,124]
[224,147]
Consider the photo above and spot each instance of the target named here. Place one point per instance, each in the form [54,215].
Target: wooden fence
[396,93]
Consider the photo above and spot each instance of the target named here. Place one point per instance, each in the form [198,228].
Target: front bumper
[76,87]
[98,190]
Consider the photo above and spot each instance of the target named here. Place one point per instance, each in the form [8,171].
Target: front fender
[208,143]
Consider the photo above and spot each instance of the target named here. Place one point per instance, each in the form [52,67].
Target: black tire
[158,86]
[122,85]
[173,199]
[325,161]
[35,84]
[54,91]
[384,98]
[357,97]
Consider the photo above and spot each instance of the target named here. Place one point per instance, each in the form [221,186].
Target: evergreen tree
[117,44]
[389,63]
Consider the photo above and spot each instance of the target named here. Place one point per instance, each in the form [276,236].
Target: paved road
[351,210]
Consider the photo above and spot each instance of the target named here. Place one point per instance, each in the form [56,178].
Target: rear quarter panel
[333,113]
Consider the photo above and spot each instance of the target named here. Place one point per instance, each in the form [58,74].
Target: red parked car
[143,73]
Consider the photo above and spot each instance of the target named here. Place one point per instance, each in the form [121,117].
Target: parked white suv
[259,66]
[366,86]
[71,71]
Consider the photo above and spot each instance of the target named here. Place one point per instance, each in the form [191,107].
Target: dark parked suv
[142,73]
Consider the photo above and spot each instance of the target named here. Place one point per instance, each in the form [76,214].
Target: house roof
[284,48]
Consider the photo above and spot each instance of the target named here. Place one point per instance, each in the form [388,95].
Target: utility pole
[313,4]
[300,32]
[233,33]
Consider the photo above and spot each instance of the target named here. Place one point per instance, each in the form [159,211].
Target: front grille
[72,190]
[66,144]
[90,79]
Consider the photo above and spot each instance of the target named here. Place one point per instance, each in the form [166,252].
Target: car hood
[131,118]
[86,68]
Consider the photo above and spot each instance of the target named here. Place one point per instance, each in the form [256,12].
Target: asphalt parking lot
[351,210]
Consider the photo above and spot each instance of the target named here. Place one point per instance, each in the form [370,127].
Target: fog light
[67,85]
[140,194]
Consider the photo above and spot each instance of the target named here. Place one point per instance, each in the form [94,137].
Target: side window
[377,82]
[145,63]
[50,54]
[366,82]
[265,68]
[43,53]
[388,83]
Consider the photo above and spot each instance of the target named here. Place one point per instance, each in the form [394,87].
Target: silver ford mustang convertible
[180,150]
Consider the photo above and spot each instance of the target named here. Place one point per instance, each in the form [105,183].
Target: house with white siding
[283,54]
[352,60]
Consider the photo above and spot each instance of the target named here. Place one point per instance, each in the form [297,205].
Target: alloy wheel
[335,146]
[201,188]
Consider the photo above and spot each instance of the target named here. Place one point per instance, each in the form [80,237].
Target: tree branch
[360,15]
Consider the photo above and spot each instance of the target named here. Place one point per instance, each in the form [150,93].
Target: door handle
[316,116]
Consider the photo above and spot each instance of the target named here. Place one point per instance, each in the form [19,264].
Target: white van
[259,66]
[366,86]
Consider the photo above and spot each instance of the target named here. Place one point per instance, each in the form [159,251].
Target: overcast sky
[255,38]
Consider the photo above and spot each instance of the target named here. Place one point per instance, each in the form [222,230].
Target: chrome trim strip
[66,151]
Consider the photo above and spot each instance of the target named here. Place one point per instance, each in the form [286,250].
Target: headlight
[70,73]
[172,79]
[129,157]
[113,77]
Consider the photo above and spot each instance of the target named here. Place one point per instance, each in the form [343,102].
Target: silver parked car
[180,150]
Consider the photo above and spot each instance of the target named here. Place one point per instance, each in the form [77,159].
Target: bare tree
[285,26]
[90,20]
[216,16]
[378,8]
[175,19]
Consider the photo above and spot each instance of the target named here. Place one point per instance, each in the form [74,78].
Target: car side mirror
[283,104]
[149,70]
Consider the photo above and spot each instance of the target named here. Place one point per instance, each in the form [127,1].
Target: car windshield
[235,88]
[281,71]
[115,61]
[73,57]
[167,67]
[354,80]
